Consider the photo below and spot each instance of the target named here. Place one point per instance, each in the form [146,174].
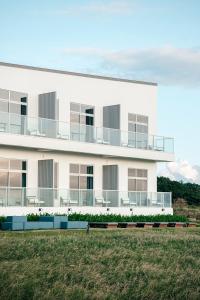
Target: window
[81,114]
[81,177]
[138,130]
[55,175]
[4,94]
[3,178]
[16,164]
[82,122]
[3,106]
[15,179]
[18,97]
[137,180]
[137,123]
[74,182]
[4,163]
[12,172]
[13,102]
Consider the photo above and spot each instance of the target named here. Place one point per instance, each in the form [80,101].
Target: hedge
[113,218]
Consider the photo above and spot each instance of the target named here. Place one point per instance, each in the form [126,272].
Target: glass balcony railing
[24,125]
[46,197]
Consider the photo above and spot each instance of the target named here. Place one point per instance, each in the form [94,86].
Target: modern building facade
[78,142]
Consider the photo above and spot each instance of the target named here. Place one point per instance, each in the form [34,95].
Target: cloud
[166,65]
[113,7]
[181,170]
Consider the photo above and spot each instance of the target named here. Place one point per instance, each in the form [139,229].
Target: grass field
[116,264]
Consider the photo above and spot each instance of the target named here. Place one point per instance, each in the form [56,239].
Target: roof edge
[75,73]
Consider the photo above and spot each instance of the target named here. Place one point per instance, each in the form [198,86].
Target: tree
[188,191]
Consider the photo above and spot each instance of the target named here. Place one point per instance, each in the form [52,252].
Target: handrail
[41,127]
[16,196]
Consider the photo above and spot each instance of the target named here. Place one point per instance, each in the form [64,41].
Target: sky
[154,40]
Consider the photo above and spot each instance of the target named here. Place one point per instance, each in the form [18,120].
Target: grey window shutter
[45,182]
[110,177]
[48,114]
[111,116]
[45,173]
[111,119]
[47,105]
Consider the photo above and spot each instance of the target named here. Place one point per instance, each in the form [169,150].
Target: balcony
[47,128]
[46,197]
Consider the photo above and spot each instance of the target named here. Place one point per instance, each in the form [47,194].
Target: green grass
[114,264]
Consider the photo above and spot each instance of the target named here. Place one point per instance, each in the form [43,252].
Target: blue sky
[156,40]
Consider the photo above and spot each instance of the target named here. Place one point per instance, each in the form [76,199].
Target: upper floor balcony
[126,143]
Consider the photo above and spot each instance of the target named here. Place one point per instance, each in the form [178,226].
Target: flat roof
[75,73]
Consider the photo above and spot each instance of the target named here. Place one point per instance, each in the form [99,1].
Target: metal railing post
[93,198]
[9,123]
[23,196]
[79,198]
[7,196]
[170,201]
[153,144]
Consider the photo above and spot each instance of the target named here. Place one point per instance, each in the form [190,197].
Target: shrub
[111,218]
[121,218]
[2,219]
[35,217]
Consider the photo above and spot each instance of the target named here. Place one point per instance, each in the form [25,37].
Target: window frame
[138,179]
[81,175]
[9,101]
[80,113]
[135,123]
[10,171]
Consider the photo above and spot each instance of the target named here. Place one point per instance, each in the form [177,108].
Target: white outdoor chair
[67,201]
[125,201]
[100,200]
[33,200]
[63,136]
[37,133]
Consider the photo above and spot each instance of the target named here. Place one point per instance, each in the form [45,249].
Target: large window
[12,172]
[137,180]
[81,177]
[138,130]
[81,114]
[13,102]
[82,122]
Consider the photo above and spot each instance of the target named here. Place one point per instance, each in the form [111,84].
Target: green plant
[2,219]
[121,218]
[35,217]
[188,191]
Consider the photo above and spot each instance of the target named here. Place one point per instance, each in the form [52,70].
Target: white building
[78,142]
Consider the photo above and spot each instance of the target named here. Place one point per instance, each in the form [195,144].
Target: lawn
[113,264]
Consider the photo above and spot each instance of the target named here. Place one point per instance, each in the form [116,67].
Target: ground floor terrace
[32,181]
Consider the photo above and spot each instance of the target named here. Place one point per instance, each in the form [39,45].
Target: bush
[188,191]
[112,218]
[35,217]
[121,218]
[2,219]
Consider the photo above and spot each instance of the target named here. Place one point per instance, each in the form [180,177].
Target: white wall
[134,98]
[65,159]
[19,211]
[51,144]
